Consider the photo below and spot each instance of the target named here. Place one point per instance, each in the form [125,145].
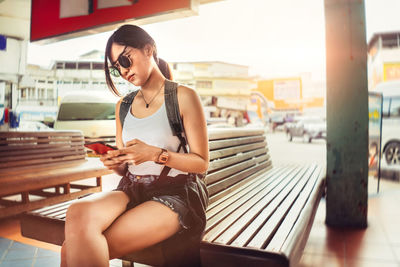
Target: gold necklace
[147,104]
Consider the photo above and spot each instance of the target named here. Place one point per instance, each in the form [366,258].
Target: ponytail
[164,68]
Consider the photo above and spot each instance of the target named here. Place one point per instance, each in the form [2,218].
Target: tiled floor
[15,254]
[376,246]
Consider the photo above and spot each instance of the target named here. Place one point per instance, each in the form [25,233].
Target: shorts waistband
[179,179]
[141,178]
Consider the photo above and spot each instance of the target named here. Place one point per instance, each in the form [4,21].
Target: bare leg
[63,255]
[86,220]
[140,227]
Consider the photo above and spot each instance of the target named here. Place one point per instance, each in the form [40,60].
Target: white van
[390,124]
[91,112]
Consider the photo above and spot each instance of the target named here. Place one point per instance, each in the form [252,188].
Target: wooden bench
[37,168]
[259,215]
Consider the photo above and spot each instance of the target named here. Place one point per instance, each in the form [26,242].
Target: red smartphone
[100,147]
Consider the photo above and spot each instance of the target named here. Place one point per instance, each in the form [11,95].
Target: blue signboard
[3,42]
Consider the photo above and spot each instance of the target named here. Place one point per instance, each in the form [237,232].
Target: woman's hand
[137,152]
[112,159]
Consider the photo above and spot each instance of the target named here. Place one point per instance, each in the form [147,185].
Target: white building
[228,84]
[39,95]
[14,36]
[383,58]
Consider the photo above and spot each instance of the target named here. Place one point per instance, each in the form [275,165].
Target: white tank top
[153,130]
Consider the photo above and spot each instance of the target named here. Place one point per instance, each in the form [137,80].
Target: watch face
[163,157]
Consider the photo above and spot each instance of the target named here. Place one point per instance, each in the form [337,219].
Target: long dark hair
[136,37]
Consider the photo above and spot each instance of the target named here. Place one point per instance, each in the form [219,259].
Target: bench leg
[127,263]
[99,183]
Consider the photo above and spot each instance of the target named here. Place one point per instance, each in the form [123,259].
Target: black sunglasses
[123,61]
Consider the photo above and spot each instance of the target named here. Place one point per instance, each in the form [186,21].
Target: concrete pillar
[347,113]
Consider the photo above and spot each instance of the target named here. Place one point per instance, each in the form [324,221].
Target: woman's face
[140,63]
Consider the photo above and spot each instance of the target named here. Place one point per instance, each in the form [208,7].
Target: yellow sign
[391,71]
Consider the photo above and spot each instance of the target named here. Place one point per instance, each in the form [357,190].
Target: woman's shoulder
[187,98]
[186,92]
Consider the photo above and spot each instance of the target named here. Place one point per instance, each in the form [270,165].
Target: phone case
[100,147]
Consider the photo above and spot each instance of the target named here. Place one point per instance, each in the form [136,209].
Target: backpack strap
[125,106]
[173,113]
[174,118]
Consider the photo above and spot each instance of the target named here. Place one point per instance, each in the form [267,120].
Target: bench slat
[233,133]
[290,219]
[39,150]
[33,147]
[46,211]
[296,241]
[40,161]
[17,209]
[6,172]
[270,180]
[247,208]
[18,134]
[243,190]
[272,201]
[20,143]
[232,169]
[235,150]
[260,240]
[218,144]
[221,194]
[43,155]
[226,183]
[221,163]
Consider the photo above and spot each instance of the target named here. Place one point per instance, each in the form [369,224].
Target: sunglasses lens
[124,61]
[114,71]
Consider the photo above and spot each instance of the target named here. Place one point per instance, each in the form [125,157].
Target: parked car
[93,113]
[276,120]
[33,126]
[390,148]
[308,128]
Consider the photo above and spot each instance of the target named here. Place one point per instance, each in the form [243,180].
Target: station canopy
[54,20]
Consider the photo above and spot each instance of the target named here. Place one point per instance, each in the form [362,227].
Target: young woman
[112,224]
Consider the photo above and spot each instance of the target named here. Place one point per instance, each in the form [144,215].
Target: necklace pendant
[147,105]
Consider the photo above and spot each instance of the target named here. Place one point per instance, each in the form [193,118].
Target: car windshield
[86,111]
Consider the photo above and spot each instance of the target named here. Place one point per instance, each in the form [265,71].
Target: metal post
[347,113]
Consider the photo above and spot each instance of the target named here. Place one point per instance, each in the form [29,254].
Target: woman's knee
[82,214]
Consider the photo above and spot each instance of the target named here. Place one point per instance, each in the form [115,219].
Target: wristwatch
[163,157]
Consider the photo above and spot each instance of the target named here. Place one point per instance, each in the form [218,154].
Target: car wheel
[307,138]
[289,137]
[392,153]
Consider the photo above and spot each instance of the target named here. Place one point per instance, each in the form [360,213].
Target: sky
[274,38]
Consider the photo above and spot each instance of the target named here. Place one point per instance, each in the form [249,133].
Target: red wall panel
[46,22]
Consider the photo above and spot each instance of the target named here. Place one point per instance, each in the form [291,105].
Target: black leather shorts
[142,188]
